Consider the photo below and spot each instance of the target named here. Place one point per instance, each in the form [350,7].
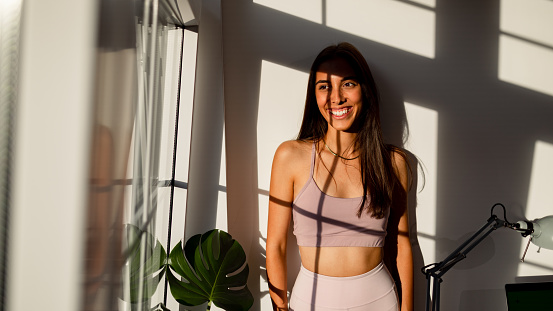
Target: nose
[336,96]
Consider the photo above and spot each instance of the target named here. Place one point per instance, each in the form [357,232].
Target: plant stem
[209,305]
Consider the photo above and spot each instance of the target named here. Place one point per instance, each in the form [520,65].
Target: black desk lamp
[539,230]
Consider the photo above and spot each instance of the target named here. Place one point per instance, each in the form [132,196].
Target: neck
[341,143]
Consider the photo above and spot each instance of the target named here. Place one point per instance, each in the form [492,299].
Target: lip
[340,113]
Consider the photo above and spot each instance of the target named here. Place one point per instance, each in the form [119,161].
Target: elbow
[276,252]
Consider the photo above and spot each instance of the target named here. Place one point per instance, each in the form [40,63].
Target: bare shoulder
[292,158]
[292,151]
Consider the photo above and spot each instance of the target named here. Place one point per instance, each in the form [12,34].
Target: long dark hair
[377,172]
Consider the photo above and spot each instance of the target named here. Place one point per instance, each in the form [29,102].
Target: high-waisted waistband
[373,290]
[312,274]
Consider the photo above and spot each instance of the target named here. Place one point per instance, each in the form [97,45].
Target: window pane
[136,109]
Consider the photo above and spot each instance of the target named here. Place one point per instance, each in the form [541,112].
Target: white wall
[471,80]
[205,209]
[53,121]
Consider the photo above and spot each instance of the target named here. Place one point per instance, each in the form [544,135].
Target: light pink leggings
[371,291]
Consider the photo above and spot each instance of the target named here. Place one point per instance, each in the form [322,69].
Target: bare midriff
[340,261]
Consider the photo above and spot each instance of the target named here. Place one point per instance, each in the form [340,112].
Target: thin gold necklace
[337,155]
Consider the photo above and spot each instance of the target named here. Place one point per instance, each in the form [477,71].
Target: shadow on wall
[486,129]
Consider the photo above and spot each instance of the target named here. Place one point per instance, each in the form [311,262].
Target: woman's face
[338,94]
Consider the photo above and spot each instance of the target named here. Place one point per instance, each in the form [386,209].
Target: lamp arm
[435,271]
[439,269]
[540,231]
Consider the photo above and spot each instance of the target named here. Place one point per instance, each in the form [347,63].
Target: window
[142,116]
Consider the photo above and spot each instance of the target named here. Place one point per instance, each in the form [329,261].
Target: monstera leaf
[146,271]
[213,268]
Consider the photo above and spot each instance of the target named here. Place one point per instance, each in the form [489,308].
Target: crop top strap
[312,160]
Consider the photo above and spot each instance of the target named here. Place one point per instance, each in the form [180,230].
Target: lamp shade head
[543,232]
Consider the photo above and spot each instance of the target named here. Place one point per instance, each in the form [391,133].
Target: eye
[322,87]
[349,84]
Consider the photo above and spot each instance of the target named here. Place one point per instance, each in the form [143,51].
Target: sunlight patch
[393,23]
[529,19]
[311,10]
[423,143]
[281,104]
[526,64]
[526,44]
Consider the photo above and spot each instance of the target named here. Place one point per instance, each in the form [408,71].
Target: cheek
[321,100]
[356,96]
[322,111]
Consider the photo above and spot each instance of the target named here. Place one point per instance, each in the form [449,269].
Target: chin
[348,129]
[344,125]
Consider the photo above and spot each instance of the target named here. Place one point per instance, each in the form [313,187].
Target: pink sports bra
[322,220]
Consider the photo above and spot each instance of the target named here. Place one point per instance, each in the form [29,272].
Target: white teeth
[339,112]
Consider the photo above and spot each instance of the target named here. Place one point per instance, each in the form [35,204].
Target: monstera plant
[210,268]
[143,274]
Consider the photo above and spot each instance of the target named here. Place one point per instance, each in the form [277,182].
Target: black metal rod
[455,254]
[437,295]
[428,285]
[435,271]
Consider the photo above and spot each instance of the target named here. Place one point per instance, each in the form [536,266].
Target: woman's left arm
[404,252]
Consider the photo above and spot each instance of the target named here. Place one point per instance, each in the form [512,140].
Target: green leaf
[213,268]
[147,260]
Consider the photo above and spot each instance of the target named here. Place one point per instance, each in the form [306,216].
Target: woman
[344,189]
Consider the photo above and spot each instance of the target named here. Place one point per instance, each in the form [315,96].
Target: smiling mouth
[340,112]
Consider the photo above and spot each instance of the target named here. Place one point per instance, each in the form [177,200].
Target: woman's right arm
[281,195]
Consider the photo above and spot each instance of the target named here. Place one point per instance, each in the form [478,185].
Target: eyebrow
[350,78]
[344,79]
